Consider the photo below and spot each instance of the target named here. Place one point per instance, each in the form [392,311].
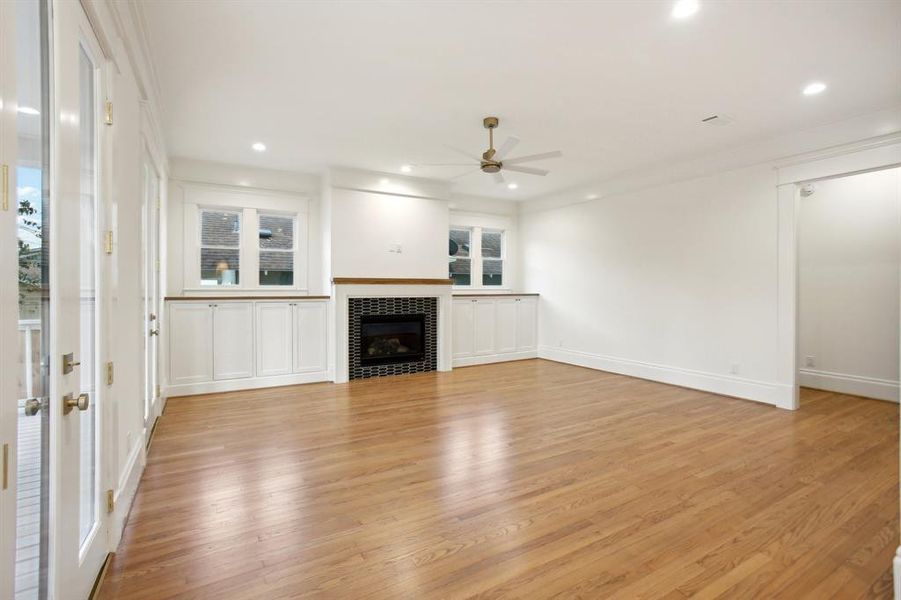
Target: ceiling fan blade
[465,153]
[531,157]
[529,170]
[469,164]
[464,174]
[506,148]
[498,177]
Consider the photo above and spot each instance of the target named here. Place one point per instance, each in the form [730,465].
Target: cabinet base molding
[248,383]
[494,358]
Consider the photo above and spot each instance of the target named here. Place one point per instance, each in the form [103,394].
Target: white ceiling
[617,86]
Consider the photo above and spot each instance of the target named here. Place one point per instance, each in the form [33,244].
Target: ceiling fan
[493,161]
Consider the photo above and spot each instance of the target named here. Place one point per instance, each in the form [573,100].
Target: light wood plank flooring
[523,480]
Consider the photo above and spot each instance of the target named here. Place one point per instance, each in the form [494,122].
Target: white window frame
[293,250]
[250,203]
[476,259]
[201,246]
[502,259]
[471,257]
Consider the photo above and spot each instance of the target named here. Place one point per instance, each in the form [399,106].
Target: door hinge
[157,265]
[109,373]
[108,242]
[5,466]
[109,113]
[5,187]
[157,391]
[110,501]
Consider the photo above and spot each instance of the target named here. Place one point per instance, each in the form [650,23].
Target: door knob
[32,406]
[154,332]
[81,403]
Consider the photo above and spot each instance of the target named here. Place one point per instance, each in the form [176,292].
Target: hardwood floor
[524,480]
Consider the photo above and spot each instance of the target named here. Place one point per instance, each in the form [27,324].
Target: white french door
[79,535]
[151,225]
[53,526]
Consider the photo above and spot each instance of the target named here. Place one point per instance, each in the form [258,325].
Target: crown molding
[860,133]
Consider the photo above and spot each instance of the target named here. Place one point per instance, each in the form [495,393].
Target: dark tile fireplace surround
[392,336]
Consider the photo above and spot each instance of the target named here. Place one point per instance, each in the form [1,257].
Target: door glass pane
[88,305]
[32,223]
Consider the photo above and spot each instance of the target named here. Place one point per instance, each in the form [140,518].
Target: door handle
[154,332]
[81,403]
[32,406]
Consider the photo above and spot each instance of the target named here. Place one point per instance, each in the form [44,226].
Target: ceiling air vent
[718,120]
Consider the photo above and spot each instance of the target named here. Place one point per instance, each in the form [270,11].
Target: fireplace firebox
[389,339]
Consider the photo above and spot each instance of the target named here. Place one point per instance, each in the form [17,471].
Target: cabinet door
[464,328]
[232,340]
[310,336]
[190,342]
[485,325]
[527,324]
[507,316]
[275,338]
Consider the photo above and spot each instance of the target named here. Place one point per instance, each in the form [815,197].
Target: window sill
[213,290]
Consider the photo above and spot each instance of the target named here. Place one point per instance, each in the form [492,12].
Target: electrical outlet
[735,368]
[810,361]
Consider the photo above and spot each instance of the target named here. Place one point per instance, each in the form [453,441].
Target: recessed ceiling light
[512,186]
[406,168]
[27,110]
[259,147]
[591,197]
[384,181]
[812,89]
[685,8]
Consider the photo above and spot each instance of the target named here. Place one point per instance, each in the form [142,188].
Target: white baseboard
[856,385]
[127,488]
[249,383]
[777,394]
[494,358]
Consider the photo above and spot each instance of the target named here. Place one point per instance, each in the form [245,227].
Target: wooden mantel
[388,281]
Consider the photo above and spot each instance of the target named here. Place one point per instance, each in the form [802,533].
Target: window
[492,257]
[460,257]
[244,240]
[476,257]
[220,247]
[276,249]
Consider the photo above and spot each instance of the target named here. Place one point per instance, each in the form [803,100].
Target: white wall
[849,259]
[365,226]
[675,283]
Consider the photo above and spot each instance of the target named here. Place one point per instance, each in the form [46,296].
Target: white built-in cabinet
[231,344]
[291,337]
[190,342]
[494,329]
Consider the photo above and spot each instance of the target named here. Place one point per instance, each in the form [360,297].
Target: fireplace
[394,335]
[388,339]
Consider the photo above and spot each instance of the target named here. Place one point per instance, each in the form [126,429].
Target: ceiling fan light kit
[492,160]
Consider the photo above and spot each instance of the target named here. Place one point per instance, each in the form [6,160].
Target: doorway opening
[849,297]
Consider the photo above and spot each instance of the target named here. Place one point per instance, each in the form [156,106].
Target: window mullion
[250,248]
[476,244]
